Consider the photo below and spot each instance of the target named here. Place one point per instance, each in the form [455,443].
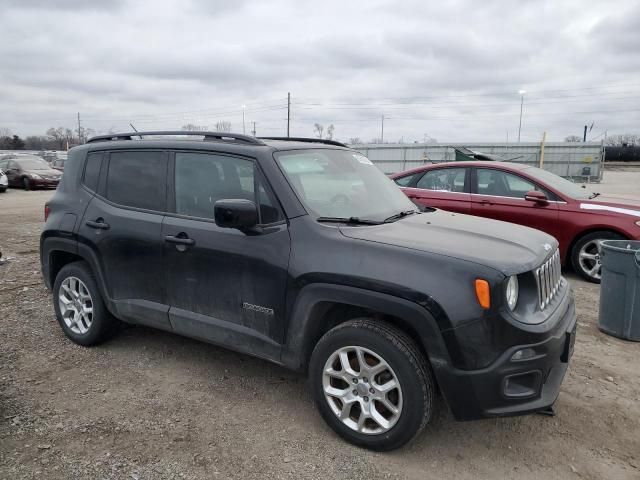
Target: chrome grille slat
[549,278]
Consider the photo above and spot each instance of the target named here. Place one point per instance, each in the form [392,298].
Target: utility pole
[584,137]
[79,131]
[244,131]
[382,130]
[521,92]
[254,129]
[288,112]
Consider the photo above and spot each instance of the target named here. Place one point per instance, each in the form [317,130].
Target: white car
[4,182]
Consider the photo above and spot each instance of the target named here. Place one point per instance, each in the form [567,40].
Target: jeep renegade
[303,253]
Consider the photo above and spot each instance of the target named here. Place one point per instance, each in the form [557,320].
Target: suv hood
[503,246]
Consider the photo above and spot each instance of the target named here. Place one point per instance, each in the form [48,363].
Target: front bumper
[510,387]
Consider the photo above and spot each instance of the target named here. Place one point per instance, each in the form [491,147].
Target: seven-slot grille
[548,277]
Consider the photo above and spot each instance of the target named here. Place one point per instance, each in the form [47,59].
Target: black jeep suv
[303,253]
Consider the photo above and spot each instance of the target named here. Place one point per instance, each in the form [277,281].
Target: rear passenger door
[122,227]
[445,188]
[223,285]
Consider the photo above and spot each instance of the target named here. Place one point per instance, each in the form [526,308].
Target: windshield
[564,186]
[342,183]
[33,163]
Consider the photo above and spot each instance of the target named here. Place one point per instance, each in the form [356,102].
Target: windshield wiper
[400,215]
[593,195]
[348,220]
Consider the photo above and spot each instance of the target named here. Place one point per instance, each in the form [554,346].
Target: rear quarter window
[92,171]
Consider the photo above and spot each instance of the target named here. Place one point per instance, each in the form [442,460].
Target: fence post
[544,137]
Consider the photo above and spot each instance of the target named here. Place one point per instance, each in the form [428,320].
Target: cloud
[449,69]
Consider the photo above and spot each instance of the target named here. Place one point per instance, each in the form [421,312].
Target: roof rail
[307,140]
[208,136]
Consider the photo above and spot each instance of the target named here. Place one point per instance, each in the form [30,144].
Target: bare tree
[622,139]
[223,126]
[57,135]
[319,129]
[355,141]
[5,132]
[330,130]
[573,138]
[190,127]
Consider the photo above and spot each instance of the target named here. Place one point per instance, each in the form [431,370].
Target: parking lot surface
[149,404]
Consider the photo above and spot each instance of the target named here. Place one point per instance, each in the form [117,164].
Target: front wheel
[371,384]
[587,253]
[26,183]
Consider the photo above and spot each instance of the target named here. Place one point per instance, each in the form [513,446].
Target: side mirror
[536,196]
[235,213]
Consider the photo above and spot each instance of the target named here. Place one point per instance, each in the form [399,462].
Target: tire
[585,255]
[413,400]
[89,329]
[26,183]
[3,189]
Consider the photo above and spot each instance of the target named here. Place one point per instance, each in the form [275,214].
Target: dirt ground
[151,405]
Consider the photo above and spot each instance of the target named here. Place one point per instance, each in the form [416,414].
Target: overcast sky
[449,70]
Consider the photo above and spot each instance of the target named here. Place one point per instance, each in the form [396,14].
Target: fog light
[524,354]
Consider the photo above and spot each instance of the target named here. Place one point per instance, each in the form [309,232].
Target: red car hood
[613,203]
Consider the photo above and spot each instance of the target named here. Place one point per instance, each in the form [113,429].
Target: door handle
[413,196]
[486,202]
[179,240]
[98,223]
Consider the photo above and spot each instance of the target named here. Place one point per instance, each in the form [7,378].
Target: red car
[530,196]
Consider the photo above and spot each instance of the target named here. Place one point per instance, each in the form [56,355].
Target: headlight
[35,175]
[638,223]
[512,292]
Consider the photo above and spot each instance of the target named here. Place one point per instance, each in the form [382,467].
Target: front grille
[548,277]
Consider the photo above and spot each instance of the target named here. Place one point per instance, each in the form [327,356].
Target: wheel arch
[320,307]
[56,252]
[583,233]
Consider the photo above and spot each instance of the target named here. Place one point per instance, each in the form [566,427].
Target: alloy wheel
[76,305]
[589,258]
[362,390]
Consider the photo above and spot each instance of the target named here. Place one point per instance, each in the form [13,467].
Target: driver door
[223,285]
[499,195]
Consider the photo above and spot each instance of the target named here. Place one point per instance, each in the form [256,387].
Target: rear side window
[138,179]
[92,171]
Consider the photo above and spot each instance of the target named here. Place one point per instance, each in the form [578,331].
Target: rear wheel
[586,254]
[371,384]
[79,307]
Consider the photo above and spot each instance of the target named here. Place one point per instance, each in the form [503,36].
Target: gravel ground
[151,405]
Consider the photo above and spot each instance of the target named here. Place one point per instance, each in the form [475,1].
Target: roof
[474,163]
[201,137]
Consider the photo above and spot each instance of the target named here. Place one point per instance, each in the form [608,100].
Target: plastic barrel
[620,289]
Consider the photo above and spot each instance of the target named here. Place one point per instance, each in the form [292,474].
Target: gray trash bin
[620,289]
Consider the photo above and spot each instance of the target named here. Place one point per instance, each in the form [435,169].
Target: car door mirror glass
[235,213]
[536,196]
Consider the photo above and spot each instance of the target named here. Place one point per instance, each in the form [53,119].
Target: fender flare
[299,345]
[52,244]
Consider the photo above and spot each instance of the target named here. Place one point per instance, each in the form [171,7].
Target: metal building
[580,161]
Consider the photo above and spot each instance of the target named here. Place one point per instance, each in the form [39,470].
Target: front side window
[341,183]
[443,180]
[138,179]
[502,184]
[201,179]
